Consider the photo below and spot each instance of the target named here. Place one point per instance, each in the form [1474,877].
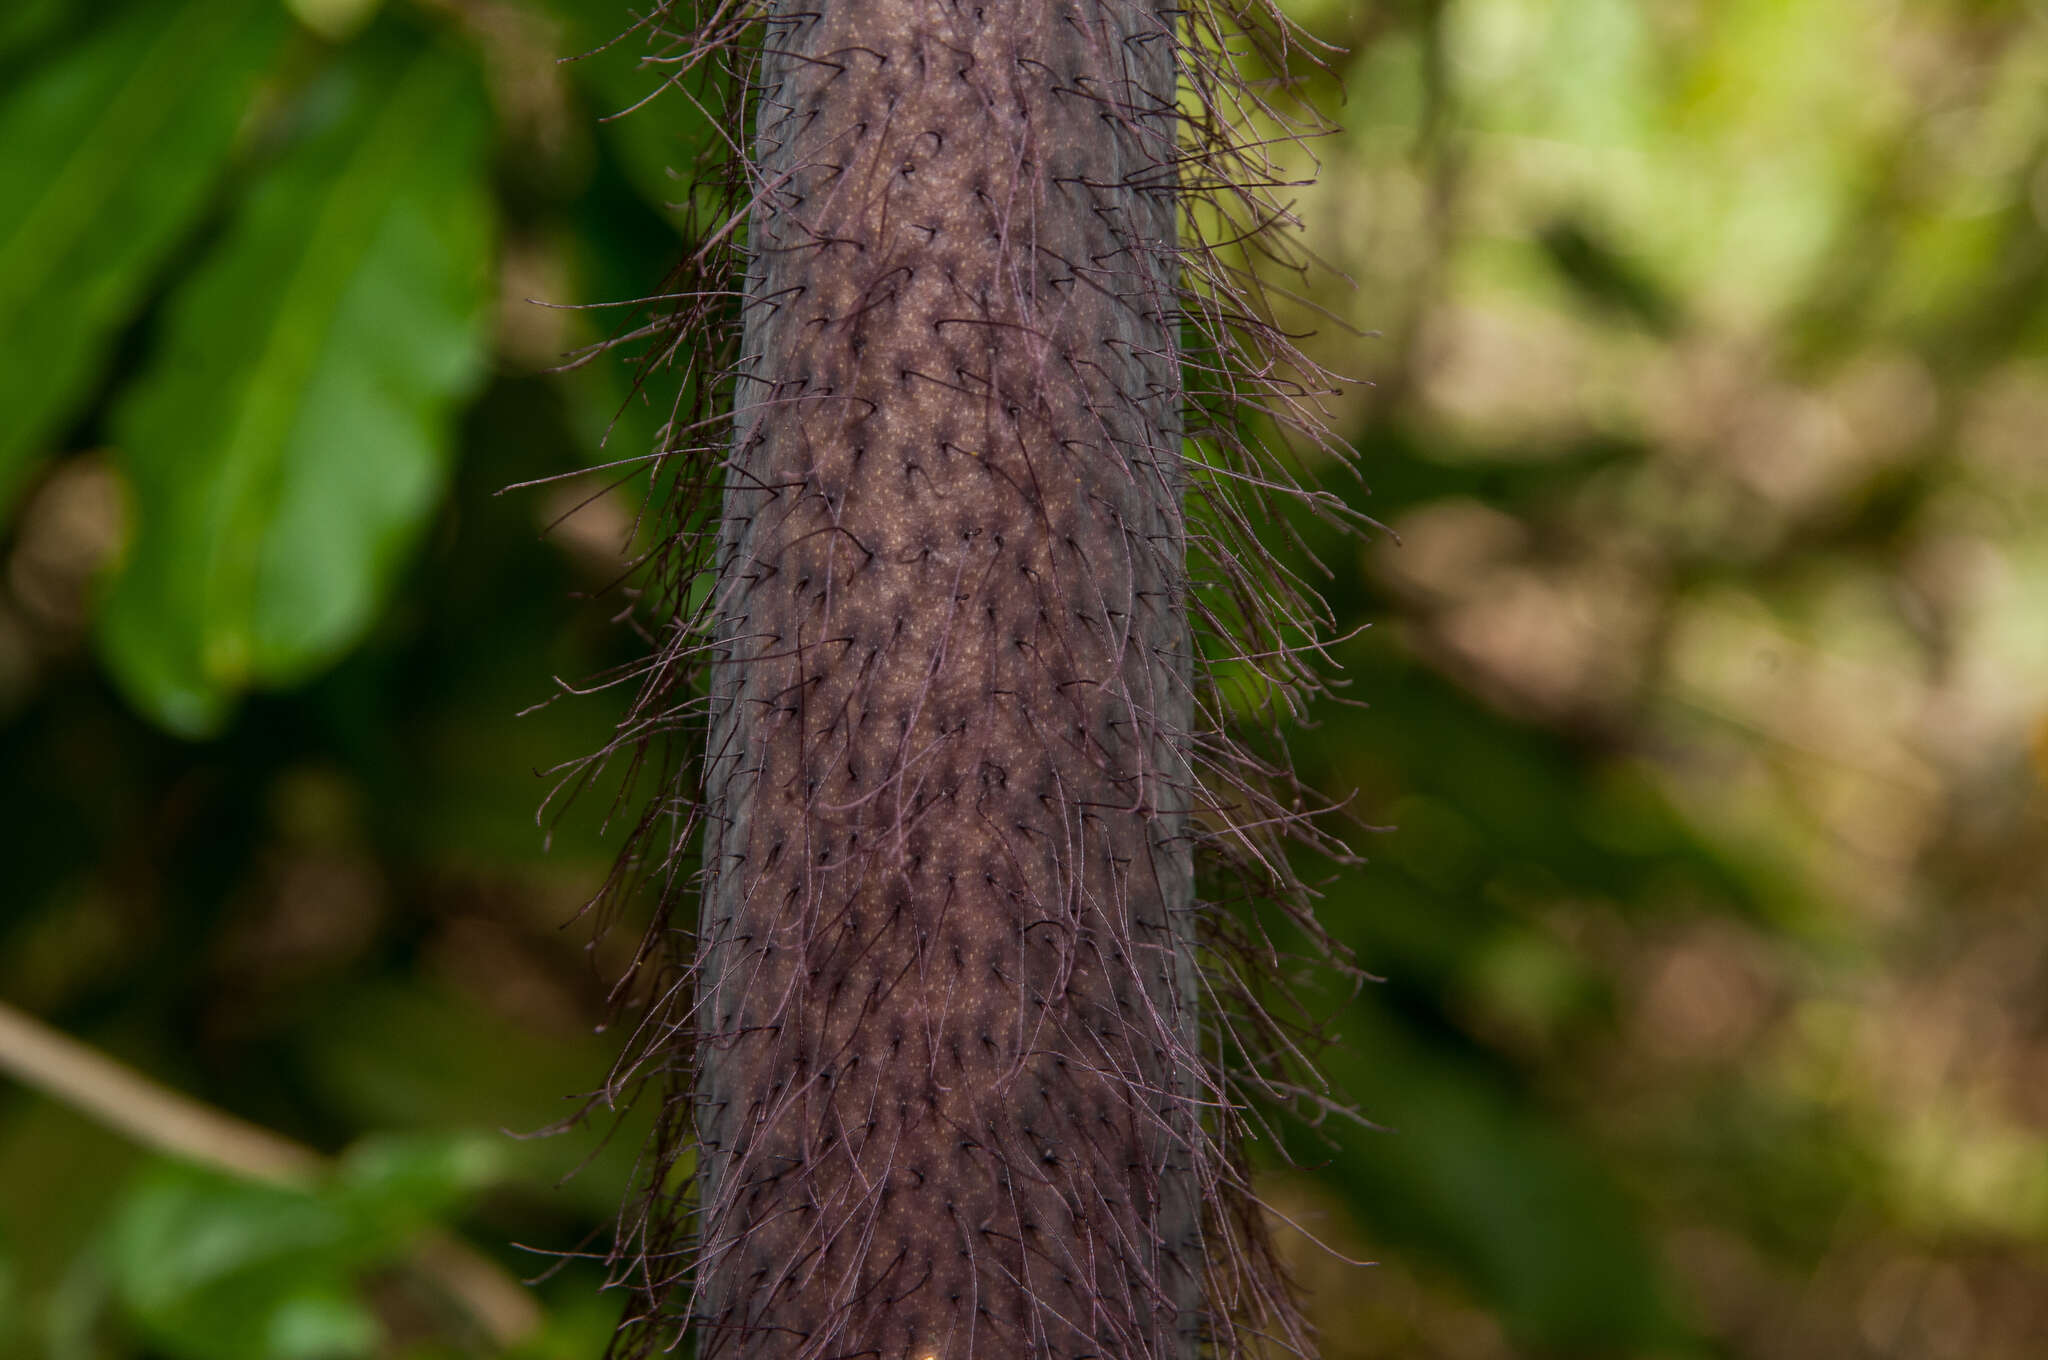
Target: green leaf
[213,1268]
[25,24]
[1487,1184]
[315,1323]
[294,432]
[405,1181]
[10,1304]
[388,1055]
[108,155]
[334,20]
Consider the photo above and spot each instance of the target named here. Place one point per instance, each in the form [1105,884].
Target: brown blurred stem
[113,1094]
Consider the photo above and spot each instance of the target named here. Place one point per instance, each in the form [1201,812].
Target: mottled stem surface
[948,1067]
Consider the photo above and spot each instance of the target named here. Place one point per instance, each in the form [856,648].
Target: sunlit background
[1702,379]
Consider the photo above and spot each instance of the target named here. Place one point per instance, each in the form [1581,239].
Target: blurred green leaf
[334,20]
[215,1268]
[108,155]
[406,1181]
[219,1269]
[25,23]
[10,1300]
[423,1057]
[52,1215]
[73,1308]
[295,430]
[1601,273]
[1495,1190]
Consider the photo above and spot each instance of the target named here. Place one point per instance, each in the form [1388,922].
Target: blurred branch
[125,1100]
[121,1098]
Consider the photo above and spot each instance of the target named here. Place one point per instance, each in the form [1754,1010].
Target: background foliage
[1707,685]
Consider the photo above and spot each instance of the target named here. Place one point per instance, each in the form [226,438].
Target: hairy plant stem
[946,922]
[946,1041]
